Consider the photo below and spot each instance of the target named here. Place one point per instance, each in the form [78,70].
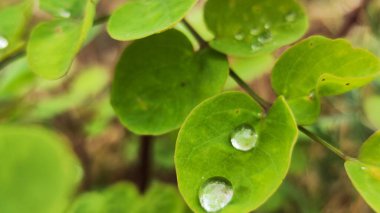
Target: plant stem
[202,43]
[145,154]
[266,105]
[324,143]
[21,52]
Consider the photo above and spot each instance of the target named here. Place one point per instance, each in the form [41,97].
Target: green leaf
[53,45]
[13,26]
[141,18]
[124,198]
[204,151]
[319,67]
[365,172]
[166,79]
[64,9]
[38,171]
[372,110]
[247,27]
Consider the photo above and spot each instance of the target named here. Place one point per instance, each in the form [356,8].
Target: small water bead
[254,31]
[239,36]
[267,26]
[3,43]
[265,37]
[244,138]
[215,194]
[290,17]
[64,13]
[255,46]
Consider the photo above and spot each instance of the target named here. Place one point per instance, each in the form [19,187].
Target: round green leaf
[38,172]
[204,151]
[247,27]
[53,45]
[372,110]
[13,26]
[125,198]
[365,172]
[318,67]
[141,18]
[64,9]
[159,79]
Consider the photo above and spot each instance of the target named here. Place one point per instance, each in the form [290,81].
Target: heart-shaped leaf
[53,45]
[38,172]
[247,27]
[141,18]
[13,26]
[365,172]
[319,67]
[232,157]
[166,79]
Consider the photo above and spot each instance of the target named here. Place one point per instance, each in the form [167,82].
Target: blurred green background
[77,108]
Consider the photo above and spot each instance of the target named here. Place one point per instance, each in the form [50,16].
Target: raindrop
[363,168]
[64,13]
[254,31]
[3,43]
[256,46]
[267,26]
[215,194]
[265,37]
[244,138]
[290,17]
[239,36]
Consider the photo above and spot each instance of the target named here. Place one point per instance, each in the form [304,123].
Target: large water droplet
[265,37]
[3,43]
[290,17]
[215,194]
[244,138]
[64,13]
[239,36]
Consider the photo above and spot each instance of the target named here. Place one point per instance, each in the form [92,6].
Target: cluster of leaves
[164,81]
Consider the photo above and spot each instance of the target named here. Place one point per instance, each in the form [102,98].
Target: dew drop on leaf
[64,14]
[290,17]
[267,26]
[254,31]
[265,37]
[239,36]
[256,46]
[244,138]
[215,194]
[3,43]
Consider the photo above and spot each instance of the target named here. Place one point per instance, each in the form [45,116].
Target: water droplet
[64,13]
[267,26]
[255,46]
[215,194]
[254,31]
[3,43]
[244,138]
[290,17]
[363,168]
[265,37]
[239,36]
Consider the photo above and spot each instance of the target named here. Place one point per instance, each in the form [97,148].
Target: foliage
[233,150]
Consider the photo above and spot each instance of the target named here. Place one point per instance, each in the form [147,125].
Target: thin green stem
[266,105]
[202,43]
[324,143]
